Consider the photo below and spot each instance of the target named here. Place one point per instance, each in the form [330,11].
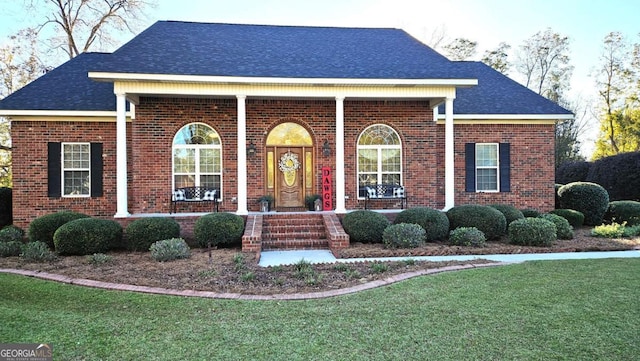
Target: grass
[559,310]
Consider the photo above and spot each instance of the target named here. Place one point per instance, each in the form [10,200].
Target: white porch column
[340,182]
[449,182]
[242,156]
[121,157]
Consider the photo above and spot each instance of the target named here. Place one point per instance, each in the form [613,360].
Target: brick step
[295,244]
[275,236]
[294,227]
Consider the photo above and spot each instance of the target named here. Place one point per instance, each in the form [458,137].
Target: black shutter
[470,166]
[96,169]
[54,188]
[505,167]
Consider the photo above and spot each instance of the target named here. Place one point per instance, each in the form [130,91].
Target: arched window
[379,156]
[197,157]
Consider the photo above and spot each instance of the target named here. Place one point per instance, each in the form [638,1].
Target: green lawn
[554,310]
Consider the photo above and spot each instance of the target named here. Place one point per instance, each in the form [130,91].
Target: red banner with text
[327,189]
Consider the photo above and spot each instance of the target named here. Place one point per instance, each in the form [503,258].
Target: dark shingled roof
[66,87]
[274,51]
[170,47]
[498,94]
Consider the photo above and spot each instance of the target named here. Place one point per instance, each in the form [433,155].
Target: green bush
[36,252]
[86,236]
[11,234]
[510,212]
[613,230]
[590,199]
[221,229]
[487,219]
[623,211]
[6,206]
[575,218]
[143,232]
[532,232]
[97,259]
[10,249]
[365,226]
[404,235]
[467,236]
[531,213]
[170,249]
[563,228]
[42,228]
[434,222]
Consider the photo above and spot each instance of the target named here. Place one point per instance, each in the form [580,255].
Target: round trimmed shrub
[622,211]
[532,232]
[42,228]
[365,226]
[144,232]
[575,218]
[170,249]
[404,235]
[510,212]
[221,229]
[11,234]
[530,212]
[487,219]
[563,228]
[590,199]
[87,236]
[467,236]
[6,206]
[434,222]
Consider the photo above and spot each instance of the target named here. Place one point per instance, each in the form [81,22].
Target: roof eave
[559,117]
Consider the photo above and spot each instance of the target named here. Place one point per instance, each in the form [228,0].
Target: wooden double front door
[289,175]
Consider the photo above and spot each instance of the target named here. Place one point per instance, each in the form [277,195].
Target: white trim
[121,158]
[449,157]
[510,116]
[63,170]
[109,77]
[496,167]
[340,206]
[60,113]
[242,155]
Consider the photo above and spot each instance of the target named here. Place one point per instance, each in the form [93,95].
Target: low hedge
[434,222]
[11,234]
[87,236]
[42,228]
[575,218]
[144,232]
[563,228]
[221,229]
[532,232]
[467,236]
[530,212]
[623,211]
[487,219]
[365,226]
[404,235]
[510,212]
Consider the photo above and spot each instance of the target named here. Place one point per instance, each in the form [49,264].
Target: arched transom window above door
[289,134]
[197,157]
[379,156]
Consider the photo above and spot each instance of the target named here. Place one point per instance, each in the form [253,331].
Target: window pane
[289,134]
[391,178]
[211,181]
[390,160]
[208,160]
[367,160]
[184,181]
[367,179]
[76,183]
[76,156]
[487,179]
[196,134]
[379,135]
[184,161]
[486,155]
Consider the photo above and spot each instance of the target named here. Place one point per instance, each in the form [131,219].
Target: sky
[488,22]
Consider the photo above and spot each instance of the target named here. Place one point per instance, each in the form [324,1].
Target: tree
[568,132]
[497,58]
[622,128]
[461,49]
[543,60]
[85,24]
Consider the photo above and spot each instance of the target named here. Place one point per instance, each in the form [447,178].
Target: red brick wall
[158,120]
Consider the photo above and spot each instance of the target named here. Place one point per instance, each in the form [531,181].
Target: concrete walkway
[276,258]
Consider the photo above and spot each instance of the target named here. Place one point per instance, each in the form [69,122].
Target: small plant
[144,232]
[632,231]
[409,262]
[248,276]
[239,262]
[403,235]
[310,201]
[10,249]
[379,267]
[208,273]
[613,230]
[277,268]
[532,232]
[467,236]
[11,233]
[563,228]
[305,271]
[99,258]
[575,218]
[37,252]
[170,249]
[341,267]
[365,226]
[219,229]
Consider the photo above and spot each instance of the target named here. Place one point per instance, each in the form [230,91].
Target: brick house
[254,110]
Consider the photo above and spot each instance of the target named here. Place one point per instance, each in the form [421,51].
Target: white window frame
[379,149]
[197,147]
[63,170]
[496,167]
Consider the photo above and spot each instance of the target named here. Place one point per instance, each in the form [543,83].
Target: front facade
[113,135]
